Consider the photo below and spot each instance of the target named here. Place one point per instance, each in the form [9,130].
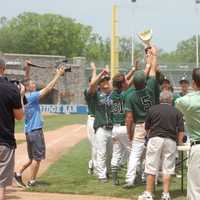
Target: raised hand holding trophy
[146,37]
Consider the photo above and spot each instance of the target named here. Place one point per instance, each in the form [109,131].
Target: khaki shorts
[7,159]
[160,152]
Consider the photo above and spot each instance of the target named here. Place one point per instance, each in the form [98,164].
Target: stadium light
[197,33]
[132,42]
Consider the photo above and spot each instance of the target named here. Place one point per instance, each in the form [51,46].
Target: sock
[166,194]
[148,193]
[32,181]
[19,174]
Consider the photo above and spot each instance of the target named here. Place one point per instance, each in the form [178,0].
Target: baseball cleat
[128,185]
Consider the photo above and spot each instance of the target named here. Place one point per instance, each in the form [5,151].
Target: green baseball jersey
[139,101]
[118,110]
[189,105]
[176,96]
[103,114]
[128,91]
[90,103]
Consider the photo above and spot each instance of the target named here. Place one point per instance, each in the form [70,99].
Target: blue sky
[171,20]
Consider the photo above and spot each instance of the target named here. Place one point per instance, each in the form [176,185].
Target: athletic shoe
[128,185]
[115,180]
[165,196]
[103,180]
[90,171]
[19,181]
[31,184]
[145,196]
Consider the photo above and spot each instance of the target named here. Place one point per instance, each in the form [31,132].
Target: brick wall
[69,87]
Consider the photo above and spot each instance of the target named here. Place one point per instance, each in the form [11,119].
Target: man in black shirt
[164,125]
[10,109]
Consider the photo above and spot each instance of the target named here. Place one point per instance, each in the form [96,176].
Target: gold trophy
[146,37]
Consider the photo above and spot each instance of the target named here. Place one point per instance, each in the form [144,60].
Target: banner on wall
[64,109]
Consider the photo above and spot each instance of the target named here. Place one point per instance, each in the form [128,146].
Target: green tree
[44,34]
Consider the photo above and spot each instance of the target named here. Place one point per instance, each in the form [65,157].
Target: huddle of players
[117,111]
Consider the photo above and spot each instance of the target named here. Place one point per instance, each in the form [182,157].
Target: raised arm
[153,60]
[51,84]
[95,80]
[94,71]
[27,70]
[129,75]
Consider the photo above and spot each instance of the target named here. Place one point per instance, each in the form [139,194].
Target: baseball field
[63,174]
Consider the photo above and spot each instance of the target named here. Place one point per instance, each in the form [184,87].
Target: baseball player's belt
[195,142]
[107,126]
[120,124]
[91,115]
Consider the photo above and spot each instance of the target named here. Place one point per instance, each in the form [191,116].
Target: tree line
[52,34]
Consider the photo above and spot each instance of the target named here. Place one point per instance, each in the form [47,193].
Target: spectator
[163,132]
[10,109]
[189,105]
[34,129]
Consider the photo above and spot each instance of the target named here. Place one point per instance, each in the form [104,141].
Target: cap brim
[183,81]
[106,78]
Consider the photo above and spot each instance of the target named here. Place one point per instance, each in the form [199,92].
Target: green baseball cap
[139,79]
[184,80]
[104,78]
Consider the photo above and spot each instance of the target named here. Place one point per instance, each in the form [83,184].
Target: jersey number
[146,102]
[117,107]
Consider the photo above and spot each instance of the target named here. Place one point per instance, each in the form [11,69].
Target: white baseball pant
[121,146]
[91,138]
[103,143]
[136,154]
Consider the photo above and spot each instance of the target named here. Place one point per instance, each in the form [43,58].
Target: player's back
[139,102]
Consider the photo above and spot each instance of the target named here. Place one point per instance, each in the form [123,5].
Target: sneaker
[165,196]
[18,180]
[128,185]
[145,196]
[31,184]
[103,180]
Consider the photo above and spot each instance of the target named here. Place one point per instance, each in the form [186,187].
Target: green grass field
[69,175]
[53,122]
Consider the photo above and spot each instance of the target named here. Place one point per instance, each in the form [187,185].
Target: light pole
[197,33]
[132,42]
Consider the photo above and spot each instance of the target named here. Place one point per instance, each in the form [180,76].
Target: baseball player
[184,85]
[90,123]
[119,132]
[137,105]
[102,123]
[121,145]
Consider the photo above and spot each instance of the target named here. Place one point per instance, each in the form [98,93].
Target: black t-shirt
[9,99]
[165,121]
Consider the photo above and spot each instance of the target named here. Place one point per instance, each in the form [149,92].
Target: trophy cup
[146,37]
